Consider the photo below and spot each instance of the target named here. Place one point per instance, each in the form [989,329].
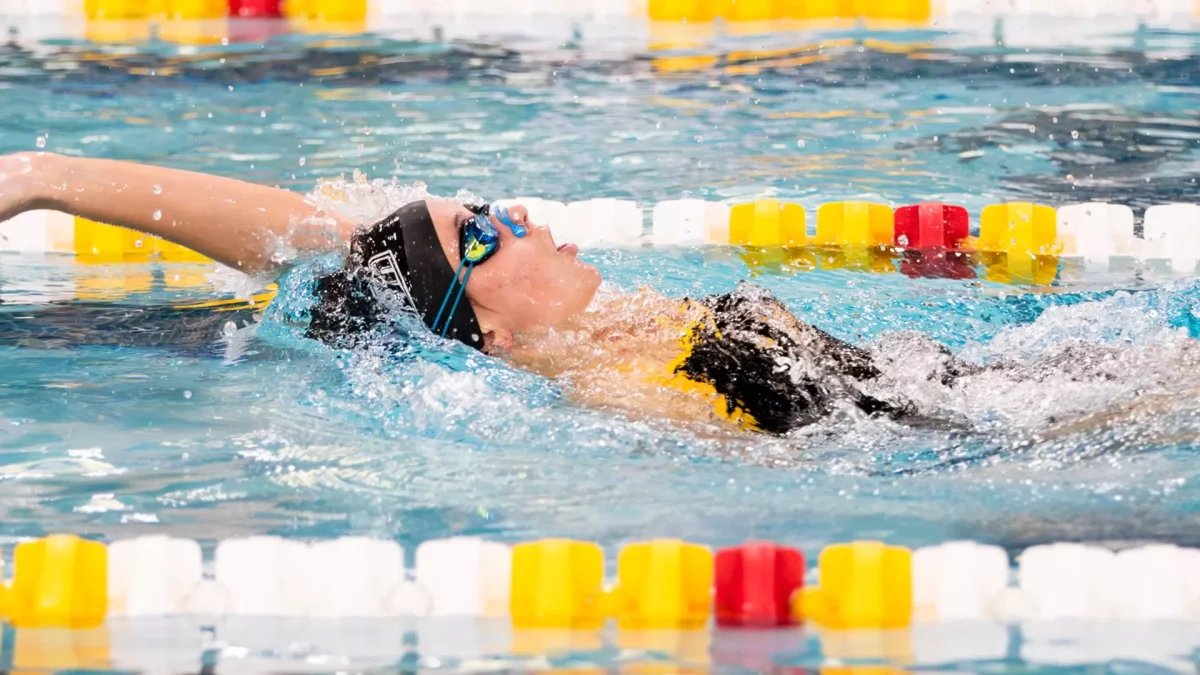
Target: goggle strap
[438,318]
[461,287]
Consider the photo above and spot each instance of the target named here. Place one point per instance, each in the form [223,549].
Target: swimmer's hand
[249,227]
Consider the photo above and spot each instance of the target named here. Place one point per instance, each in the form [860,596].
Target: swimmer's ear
[498,340]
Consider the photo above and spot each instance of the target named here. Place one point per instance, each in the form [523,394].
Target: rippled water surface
[116,424]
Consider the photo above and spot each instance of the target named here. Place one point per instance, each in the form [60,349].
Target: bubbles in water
[303,161]
[229,329]
[1075,135]
[366,200]
[800,143]
[41,142]
[241,285]
[158,215]
[158,189]
[187,394]
[902,240]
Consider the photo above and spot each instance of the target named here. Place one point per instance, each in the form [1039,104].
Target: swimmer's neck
[616,325]
[620,354]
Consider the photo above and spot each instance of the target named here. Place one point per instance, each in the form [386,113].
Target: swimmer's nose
[514,219]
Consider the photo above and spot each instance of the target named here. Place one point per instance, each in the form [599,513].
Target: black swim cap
[399,259]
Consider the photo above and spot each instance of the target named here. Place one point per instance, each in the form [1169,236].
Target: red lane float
[255,9]
[755,583]
[931,225]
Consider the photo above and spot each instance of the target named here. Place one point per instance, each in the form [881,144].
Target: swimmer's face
[530,282]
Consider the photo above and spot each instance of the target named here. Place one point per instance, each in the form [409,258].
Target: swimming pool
[119,430]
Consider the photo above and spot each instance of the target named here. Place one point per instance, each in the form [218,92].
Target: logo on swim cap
[384,266]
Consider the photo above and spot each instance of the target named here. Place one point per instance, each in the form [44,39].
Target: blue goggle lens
[480,238]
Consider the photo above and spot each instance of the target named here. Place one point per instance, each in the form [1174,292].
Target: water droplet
[158,215]
[1075,135]
[902,240]
[41,141]
[800,143]
[157,189]
[138,243]
[229,329]
[303,161]
[262,114]
[187,393]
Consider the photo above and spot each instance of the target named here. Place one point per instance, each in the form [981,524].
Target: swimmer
[491,279]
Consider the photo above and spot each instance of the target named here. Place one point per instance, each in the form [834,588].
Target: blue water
[196,433]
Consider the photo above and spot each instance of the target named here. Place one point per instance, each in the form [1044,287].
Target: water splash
[369,201]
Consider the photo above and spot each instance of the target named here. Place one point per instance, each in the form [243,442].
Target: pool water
[216,430]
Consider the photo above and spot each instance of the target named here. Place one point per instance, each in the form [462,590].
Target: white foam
[1121,319]
[243,286]
[367,201]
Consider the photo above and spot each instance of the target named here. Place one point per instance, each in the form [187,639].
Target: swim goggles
[480,241]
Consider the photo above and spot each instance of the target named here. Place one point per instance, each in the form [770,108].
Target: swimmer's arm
[236,223]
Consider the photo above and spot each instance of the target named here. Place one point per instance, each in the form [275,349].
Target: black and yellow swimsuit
[773,373]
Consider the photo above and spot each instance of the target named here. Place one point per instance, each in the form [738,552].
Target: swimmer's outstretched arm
[236,223]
